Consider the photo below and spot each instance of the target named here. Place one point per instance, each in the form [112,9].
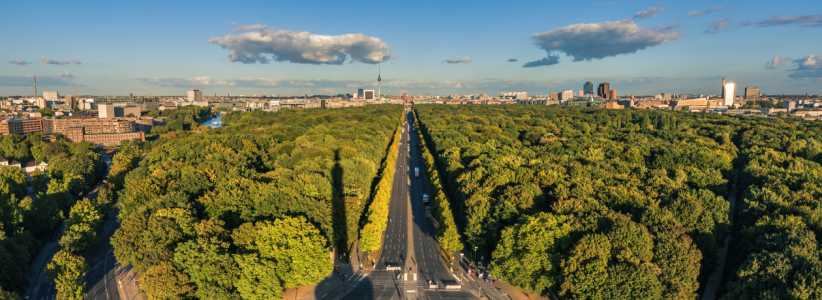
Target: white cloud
[459,60]
[600,40]
[512,60]
[807,67]
[710,10]
[718,26]
[776,63]
[301,47]
[649,13]
[808,21]
[19,62]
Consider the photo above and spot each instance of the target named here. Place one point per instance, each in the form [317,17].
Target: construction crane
[74,98]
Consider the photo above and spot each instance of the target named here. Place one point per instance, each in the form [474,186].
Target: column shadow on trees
[338,212]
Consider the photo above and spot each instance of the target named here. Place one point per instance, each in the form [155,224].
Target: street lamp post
[475,255]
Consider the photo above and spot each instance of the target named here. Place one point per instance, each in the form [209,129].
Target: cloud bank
[718,26]
[807,67]
[649,13]
[809,21]
[458,60]
[256,43]
[512,60]
[776,63]
[47,60]
[62,79]
[600,40]
[545,61]
[19,62]
[710,10]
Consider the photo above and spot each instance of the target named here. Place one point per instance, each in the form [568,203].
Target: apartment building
[21,126]
[91,126]
[78,134]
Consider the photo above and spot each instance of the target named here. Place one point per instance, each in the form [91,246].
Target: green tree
[529,253]
[164,282]
[296,247]
[67,271]
[82,227]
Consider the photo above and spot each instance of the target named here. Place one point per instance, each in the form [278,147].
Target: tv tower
[379,83]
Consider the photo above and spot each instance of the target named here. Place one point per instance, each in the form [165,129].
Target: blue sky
[330,47]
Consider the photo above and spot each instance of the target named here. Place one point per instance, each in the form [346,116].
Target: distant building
[613,94]
[588,88]
[730,94]
[612,105]
[360,93]
[513,95]
[368,95]
[789,105]
[554,96]
[195,95]
[580,93]
[604,90]
[105,111]
[751,93]
[51,96]
[77,134]
[92,126]
[566,95]
[42,103]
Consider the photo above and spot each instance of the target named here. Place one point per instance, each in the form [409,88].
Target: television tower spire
[35,88]
[379,82]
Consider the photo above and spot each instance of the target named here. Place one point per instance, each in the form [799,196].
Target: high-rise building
[360,93]
[613,94]
[588,88]
[730,93]
[723,88]
[379,83]
[751,93]
[195,95]
[554,96]
[604,90]
[51,96]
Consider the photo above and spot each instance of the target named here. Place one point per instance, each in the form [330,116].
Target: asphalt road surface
[410,239]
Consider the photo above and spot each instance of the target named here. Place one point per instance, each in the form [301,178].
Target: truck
[416,172]
[425,198]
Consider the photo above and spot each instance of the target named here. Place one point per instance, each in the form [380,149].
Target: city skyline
[281,48]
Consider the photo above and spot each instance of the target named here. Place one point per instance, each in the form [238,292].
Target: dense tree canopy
[587,203]
[244,211]
[74,168]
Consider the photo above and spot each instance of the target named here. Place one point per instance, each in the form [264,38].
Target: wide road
[410,241]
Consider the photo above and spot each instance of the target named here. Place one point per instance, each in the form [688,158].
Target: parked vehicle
[416,172]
